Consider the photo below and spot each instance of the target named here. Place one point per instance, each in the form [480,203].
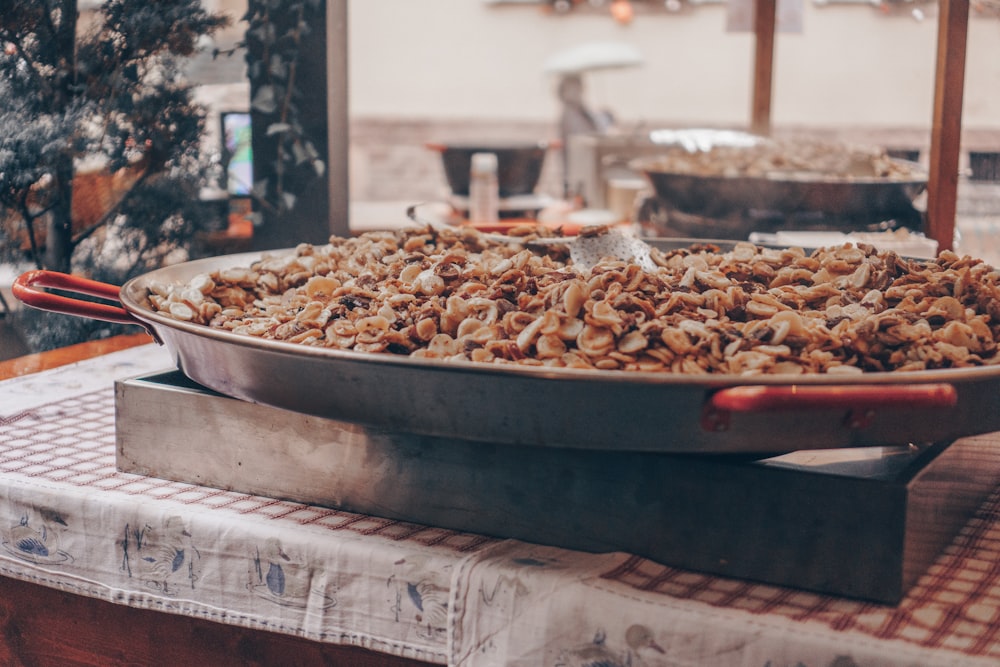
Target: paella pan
[548,405]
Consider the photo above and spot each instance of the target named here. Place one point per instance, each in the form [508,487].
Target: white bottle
[484,189]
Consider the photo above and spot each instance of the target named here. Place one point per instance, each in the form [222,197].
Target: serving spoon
[586,249]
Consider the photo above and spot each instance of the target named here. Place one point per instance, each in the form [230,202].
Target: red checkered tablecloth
[69,519]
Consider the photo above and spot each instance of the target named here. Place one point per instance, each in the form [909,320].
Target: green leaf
[300,153]
[265,100]
[259,189]
[278,68]
[278,128]
[263,33]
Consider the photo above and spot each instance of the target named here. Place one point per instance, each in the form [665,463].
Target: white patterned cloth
[70,520]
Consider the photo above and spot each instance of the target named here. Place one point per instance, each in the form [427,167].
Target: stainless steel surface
[863,522]
[871,199]
[547,406]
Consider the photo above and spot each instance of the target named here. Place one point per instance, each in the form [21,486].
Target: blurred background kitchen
[587,80]
[467,71]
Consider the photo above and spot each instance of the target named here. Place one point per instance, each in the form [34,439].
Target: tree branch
[111,212]
[29,225]
[36,76]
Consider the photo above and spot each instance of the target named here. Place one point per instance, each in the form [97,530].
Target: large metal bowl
[725,174]
[724,196]
[519,164]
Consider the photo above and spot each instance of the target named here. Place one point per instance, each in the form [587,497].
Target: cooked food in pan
[786,159]
[455,294]
[840,182]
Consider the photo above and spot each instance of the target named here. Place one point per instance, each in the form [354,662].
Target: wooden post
[946,131]
[764,13]
[322,207]
[337,116]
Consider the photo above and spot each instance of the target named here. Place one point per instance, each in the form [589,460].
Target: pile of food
[787,159]
[455,294]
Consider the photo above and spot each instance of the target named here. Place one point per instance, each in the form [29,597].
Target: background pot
[722,196]
[519,164]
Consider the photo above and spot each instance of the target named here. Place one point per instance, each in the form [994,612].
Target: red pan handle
[26,290]
[861,401]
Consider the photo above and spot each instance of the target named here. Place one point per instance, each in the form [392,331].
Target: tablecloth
[70,520]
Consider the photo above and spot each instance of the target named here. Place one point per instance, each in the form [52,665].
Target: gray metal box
[862,523]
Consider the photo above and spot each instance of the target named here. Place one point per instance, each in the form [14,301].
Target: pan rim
[647,165]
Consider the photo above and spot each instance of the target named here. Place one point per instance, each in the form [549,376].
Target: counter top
[69,520]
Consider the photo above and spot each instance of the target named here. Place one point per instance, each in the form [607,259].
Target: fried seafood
[455,295]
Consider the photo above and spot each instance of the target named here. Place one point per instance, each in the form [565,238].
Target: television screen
[237,152]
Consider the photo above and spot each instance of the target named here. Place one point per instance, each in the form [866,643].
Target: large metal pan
[604,410]
[860,198]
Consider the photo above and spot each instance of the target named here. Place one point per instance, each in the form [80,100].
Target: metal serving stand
[862,522]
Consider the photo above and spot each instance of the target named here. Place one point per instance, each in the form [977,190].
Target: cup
[621,196]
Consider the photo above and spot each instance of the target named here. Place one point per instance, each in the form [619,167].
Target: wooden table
[44,626]
[92,611]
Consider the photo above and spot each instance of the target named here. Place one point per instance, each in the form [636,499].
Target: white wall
[852,65]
